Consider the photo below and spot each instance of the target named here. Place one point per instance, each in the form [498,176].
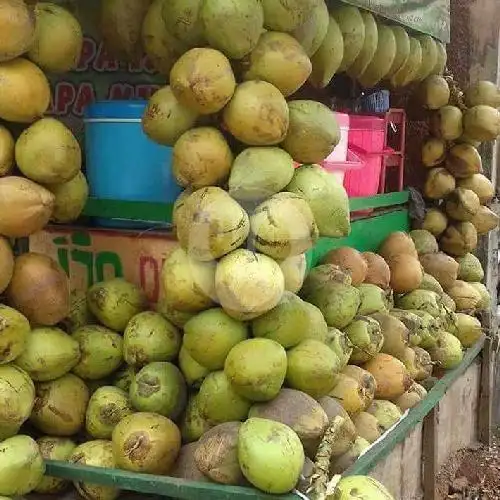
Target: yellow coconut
[59,39]
[232,27]
[17,28]
[482,123]
[435,221]
[311,33]
[202,80]
[485,220]
[159,44]
[243,115]
[481,185]
[6,264]
[358,67]
[352,27]
[462,204]
[212,224]
[188,285]
[328,58]
[463,160]
[433,152]
[121,24]
[439,184]
[459,239]
[24,91]
[7,146]
[70,198]
[48,152]
[447,123]
[279,59]
[402,49]
[165,118]
[483,93]
[248,284]
[201,158]
[434,92]
[285,16]
[182,19]
[408,71]
[429,57]
[25,207]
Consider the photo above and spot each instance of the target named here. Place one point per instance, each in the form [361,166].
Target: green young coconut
[53,448]
[327,198]
[193,425]
[430,283]
[366,337]
[159,388]
[485,302]
[271,455]
[101,352]
[367,486]
[448,352]
[340,344]
[312,368]
[193,372]
[14,333]
[256,368]
[210,335]
[107,407]
[470,268]
[49,354]
[123,378]
[287,323]
[21,466]
[338,302]
[317,328]
[115,302]
[469,329]
[219,402]
[149,337]
[373,299]
[422,300]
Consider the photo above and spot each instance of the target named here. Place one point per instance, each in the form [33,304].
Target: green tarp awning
[427,16]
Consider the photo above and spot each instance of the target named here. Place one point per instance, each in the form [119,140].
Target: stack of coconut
[458,191]
[40,172]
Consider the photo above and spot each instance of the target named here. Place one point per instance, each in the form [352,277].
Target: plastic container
[336,162]
[367,137]
[376,102]
[122,163]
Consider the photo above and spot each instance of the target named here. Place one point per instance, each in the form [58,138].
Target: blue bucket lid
[116,109]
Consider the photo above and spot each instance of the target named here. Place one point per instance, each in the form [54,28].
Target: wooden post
[430,454]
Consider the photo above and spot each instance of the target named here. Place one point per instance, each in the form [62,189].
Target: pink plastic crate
[367,140]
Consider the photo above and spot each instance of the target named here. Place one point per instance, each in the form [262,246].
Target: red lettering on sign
[89,51]
[104,62]
[145,91]
[85,95]
[146,262]
[64,97]
[121,92]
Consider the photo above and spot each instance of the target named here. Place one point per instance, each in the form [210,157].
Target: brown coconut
[25,207]
[442,267]
[406,273]
[391,375]
[299,411]
[465,296]
[367,426]
[396,334]
[349,260]
[481,185]
[347,435]
[185,466]
[459,239]
[463,160]
[217,454]
[439,184]
[462,204]
[6,264]
[323,275]
[378,272]
[397,243]
[423,362]
[39,289]
[485,220]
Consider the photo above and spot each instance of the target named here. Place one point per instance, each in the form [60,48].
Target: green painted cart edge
[162,212]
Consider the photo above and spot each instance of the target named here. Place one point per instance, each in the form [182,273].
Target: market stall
[214,279]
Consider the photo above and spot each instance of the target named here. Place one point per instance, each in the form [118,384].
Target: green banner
[427,16]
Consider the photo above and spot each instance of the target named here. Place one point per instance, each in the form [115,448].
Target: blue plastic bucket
[122,163]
